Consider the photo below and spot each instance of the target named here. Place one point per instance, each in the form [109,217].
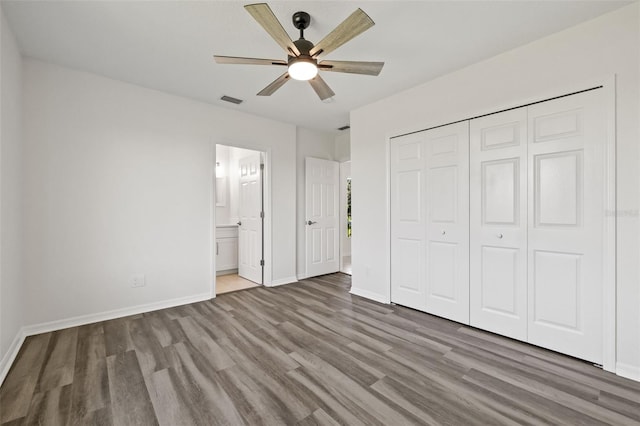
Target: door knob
[310,222]
[443,232]
[499,235]
[239,223]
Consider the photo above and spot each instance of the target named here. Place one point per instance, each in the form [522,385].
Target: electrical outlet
[137,280]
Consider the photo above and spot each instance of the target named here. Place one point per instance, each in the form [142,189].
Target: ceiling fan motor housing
[301,20]
[304,46]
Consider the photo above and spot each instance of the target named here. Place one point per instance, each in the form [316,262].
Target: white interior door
[322,224]
[498,226]
[407,163]
[447,217]
[566,224]
[250,225]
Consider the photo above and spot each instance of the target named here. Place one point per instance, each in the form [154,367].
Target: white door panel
[447,238]
[498,228]
[322,218]
[429,221]
[249,210]
[408,287]
[566,217]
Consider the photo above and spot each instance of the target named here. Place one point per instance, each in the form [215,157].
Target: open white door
[250,224]
[322,219]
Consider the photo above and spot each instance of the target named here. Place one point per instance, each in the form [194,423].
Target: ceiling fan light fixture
[303,55]
[303,69]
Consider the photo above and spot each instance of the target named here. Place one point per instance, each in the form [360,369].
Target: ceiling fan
[304,58]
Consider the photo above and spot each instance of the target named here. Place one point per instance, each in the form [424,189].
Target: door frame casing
[609,289]
[267,208]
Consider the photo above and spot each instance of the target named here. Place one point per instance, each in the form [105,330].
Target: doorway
[345,217]
[239,259]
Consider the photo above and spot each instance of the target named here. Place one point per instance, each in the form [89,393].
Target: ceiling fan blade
[321,87]
[357,23]
[262,13]
[247,61]
[277,83]
[353,67]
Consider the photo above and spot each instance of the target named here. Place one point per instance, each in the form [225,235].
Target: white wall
[317,144]
[570,60]
[342,146]
[11,277]
[119,180]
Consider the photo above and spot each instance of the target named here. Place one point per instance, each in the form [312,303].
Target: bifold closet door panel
[430,221]
[447,216]
[407,162]
[567,140]
[498,223]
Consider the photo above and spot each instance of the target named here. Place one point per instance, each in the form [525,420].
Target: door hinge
[261,215]
[261,166]
[261,262]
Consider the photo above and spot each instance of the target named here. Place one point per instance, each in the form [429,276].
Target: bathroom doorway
[345,214]
[239,218]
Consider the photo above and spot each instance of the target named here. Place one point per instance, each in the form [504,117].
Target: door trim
[609,288]
[609,310]
[267,208]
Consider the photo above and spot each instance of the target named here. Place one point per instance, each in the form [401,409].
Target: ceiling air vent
[344,127]
[232,100]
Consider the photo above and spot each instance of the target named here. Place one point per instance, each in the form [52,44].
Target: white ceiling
[168,45]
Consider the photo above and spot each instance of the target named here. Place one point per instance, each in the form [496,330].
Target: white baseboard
[12,353]
[303,277]
[108,315]
[282,281]
[628,371]
[370,295]
[226,272]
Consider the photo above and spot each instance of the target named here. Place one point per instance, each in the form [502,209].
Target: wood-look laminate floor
[306,353]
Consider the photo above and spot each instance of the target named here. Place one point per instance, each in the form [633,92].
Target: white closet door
[498,240]
[447,216]
[566,207]
[407,162]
